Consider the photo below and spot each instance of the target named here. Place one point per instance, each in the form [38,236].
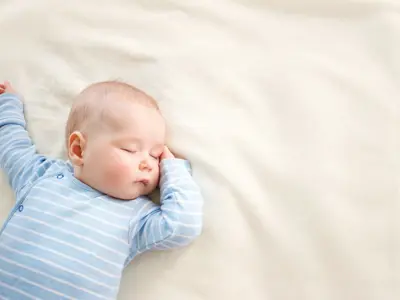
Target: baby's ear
[76,145]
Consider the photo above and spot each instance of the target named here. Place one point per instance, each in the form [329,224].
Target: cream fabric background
[288,111]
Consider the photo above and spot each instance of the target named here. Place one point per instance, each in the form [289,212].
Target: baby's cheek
[118,171]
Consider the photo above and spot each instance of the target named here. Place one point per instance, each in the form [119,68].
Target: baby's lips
[144,181]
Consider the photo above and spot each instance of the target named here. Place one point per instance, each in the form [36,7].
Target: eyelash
[134,151]
[129,151]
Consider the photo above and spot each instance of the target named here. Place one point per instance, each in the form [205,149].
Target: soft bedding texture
[288,111]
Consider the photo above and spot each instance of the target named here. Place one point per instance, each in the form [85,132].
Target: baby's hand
[7,88]
[166,153]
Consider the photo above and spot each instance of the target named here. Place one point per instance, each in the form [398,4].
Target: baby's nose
[144,166]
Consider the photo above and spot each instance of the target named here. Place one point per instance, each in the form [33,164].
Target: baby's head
[115,137]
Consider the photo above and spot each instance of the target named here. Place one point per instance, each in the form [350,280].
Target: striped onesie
[65,240]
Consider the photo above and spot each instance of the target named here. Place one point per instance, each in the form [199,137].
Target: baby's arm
[18,158]
[178,220]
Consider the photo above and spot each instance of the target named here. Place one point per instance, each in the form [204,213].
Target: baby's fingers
[166,153]
[8,87]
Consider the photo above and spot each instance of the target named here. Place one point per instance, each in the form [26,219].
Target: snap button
[21,208]
[60,176]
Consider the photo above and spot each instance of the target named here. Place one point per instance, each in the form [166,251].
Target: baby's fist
[7,88]
[166,153]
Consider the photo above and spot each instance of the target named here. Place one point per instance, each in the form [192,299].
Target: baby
[78,223]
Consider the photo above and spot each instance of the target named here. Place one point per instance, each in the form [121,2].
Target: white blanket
[288,111]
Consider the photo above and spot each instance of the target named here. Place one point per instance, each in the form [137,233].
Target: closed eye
[155,156]
[128,150]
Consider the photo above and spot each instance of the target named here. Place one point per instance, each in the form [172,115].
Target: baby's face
[121,156]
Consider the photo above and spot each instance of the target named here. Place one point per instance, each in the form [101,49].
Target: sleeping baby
[78,223]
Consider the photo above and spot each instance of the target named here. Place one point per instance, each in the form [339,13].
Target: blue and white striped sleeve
[18,157]
[178,221]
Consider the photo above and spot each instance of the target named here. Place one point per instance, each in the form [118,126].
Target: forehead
[127,118]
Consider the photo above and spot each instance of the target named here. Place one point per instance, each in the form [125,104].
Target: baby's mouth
[143,181]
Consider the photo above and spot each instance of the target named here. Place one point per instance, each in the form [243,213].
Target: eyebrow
[128,139]
[137,140]
[132,139]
